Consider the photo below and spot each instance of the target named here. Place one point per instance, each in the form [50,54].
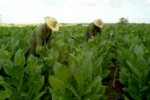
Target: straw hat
[51,23]
[98,23]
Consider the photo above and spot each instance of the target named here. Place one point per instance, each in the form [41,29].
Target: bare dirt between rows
[113,86]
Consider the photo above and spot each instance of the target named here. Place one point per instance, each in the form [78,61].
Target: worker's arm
[49,42]
[90,30]
[39,38]
[90,33]
[49,39]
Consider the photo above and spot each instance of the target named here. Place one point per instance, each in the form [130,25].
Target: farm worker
[93,29]
[42,34]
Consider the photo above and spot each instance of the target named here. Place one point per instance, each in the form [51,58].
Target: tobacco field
[112,66]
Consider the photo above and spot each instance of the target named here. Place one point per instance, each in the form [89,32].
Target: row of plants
[73,69]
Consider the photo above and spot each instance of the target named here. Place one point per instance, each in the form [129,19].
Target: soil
[113,86]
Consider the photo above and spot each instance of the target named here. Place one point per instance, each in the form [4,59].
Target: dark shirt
[39,37]
[92,30]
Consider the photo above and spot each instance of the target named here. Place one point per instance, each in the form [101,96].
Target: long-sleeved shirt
[92,30]
[39,37]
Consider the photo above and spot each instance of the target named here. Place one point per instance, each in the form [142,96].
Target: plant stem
[114,78]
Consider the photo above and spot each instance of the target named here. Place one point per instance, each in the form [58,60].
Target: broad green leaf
[1,63]
[49,62]
[87,68]
[60,42]
[105,73]
[17,74]
[37,84]
[1,80]
[79,78]
[126,98]
[73,90]
[133,88]
[97,66]
[19,58]
[57,67]
[133,69]
[93,97]
[99,89]
[39,49]
[8,65]
[148,96]
[57,84]
[54,94]
[63,73]
[15,96]
[57,96]
[32,59]
[96,81]
[124,76]
[139,50]
[73,63]
[4,94]
[33,68]
[33,87]
[5,54]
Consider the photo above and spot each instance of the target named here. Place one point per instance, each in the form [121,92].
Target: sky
[74,11]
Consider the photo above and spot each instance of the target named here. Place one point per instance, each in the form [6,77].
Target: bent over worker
[93,29]
[42,34]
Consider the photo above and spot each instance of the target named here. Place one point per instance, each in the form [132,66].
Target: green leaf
[148,96]
[38,83]
[87,68]
[73,59]
[79,80]
[92,97]
[126,98]
[133,88]
[19,58]
[57,84]
[32,59]
[41,50]
[73,90]
[33,68]
[99,89]
[1,80]
[56,67]
[124,76]
[4,94]
[15,96]
[105,73]
[133,69]
[1,63]
[8,65]
[17,74]
[73,63]
[97,66]
[139,50]
[54,54]
[54,94]
[63,73]
[49,62]
[92,85]
[5,54]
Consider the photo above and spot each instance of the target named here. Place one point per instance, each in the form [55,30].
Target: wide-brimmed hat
[51,23]
[98,23]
